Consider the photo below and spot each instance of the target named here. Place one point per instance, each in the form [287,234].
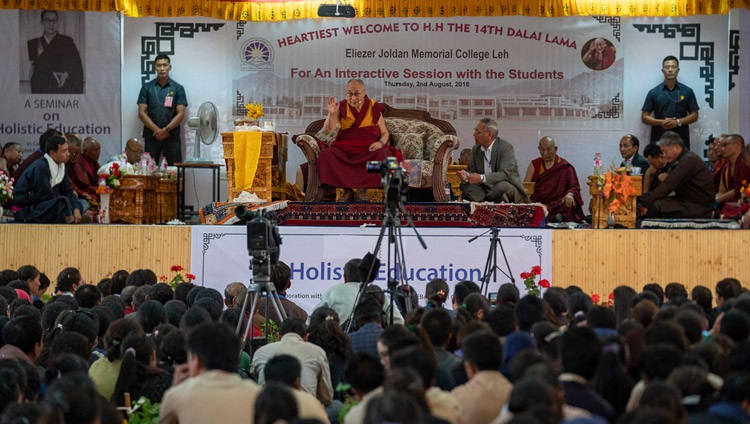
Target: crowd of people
[86,353]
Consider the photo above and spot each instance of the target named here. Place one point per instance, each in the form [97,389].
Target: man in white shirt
[316,372]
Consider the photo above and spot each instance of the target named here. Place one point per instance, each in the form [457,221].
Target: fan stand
[197,151]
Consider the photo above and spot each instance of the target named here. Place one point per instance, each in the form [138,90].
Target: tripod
[259,287]
[490,267]
[395,256]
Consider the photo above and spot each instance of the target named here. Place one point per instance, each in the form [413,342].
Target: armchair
[425,142]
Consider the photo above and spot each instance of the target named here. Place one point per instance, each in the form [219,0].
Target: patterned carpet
[354,214]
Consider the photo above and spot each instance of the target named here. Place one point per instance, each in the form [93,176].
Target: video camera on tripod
[393,178]
[263,240]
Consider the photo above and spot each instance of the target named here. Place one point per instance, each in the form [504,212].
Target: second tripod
[490,267]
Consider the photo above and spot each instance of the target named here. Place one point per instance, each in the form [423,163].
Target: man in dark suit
[493,173]
[629,146]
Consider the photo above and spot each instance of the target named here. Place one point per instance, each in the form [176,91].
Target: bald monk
[555,183]
[133,155]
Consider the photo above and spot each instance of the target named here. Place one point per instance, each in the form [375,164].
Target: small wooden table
[270,176]
[134,201]
[215,173]
[625,214]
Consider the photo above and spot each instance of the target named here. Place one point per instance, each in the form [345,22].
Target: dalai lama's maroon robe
[552,184]
[344,164]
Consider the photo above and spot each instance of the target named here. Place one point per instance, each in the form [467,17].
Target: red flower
[525,275]
[536,270]
[115,166]
[544,284]
[190,276]
[611,296]
[163,278]
[176,268]
[595,298]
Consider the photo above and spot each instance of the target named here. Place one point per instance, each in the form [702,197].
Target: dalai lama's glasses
[354,94]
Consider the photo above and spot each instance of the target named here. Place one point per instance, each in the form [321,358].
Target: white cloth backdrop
[317,256]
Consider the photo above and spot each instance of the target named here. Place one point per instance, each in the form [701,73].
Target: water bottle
[163,166]
[448,191]
[598,166]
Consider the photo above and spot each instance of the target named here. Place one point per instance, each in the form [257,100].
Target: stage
[596,260]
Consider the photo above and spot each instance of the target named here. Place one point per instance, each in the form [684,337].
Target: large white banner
[317,256]
[60,70]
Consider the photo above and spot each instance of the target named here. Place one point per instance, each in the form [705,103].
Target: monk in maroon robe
[362,137]
[82,170]
[555,183]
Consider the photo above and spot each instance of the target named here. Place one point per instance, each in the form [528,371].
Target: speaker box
[336,11]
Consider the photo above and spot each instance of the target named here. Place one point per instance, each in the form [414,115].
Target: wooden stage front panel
[595,260]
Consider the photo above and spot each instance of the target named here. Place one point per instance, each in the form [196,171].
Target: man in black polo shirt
[670,106]
[161,108]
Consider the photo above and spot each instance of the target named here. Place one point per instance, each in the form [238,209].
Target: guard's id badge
[168,101]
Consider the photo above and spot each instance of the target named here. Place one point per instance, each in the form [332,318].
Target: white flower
[116,183]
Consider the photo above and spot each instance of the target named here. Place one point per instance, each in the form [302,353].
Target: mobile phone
[493,298]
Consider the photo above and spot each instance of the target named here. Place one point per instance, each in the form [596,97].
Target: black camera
[394,180]
[263,239]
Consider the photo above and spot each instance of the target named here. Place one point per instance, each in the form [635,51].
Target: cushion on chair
[410,144]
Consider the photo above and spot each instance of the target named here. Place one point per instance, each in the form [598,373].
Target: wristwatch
[679,123]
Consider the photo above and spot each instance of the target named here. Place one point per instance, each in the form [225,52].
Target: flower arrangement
[110,178]
[615,187]
[744,193]
[6,188]
[529,280]
[177,278]
[597,300]
[254,110]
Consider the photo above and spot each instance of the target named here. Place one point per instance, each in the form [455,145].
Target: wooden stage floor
[596,260]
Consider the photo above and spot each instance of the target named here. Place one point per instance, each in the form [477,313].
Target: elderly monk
[362,136]
[133,156]
[84,186]
[555,183]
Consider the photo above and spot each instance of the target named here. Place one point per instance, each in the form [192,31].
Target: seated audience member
[367,316]
[139,374]
[734,173]
[43,193]
[629,145]
[436,293]
[581,353]
[555,183]
[83,184]
[10,157]
[69,400]
[316,374]
[732,404]
[286,370]
[438,325]
[362,137]
[88,296]
[105,371]
[420,361]
[37,154]
[656,172]
[341,297]
[275,404]
[33,277]
[487,391]
[688,178]
[68,281]
[325,331]
[214,388]
[492,174]
[281,277]
[23,339]
[366,375]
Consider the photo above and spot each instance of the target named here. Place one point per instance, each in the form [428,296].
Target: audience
[564,357]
